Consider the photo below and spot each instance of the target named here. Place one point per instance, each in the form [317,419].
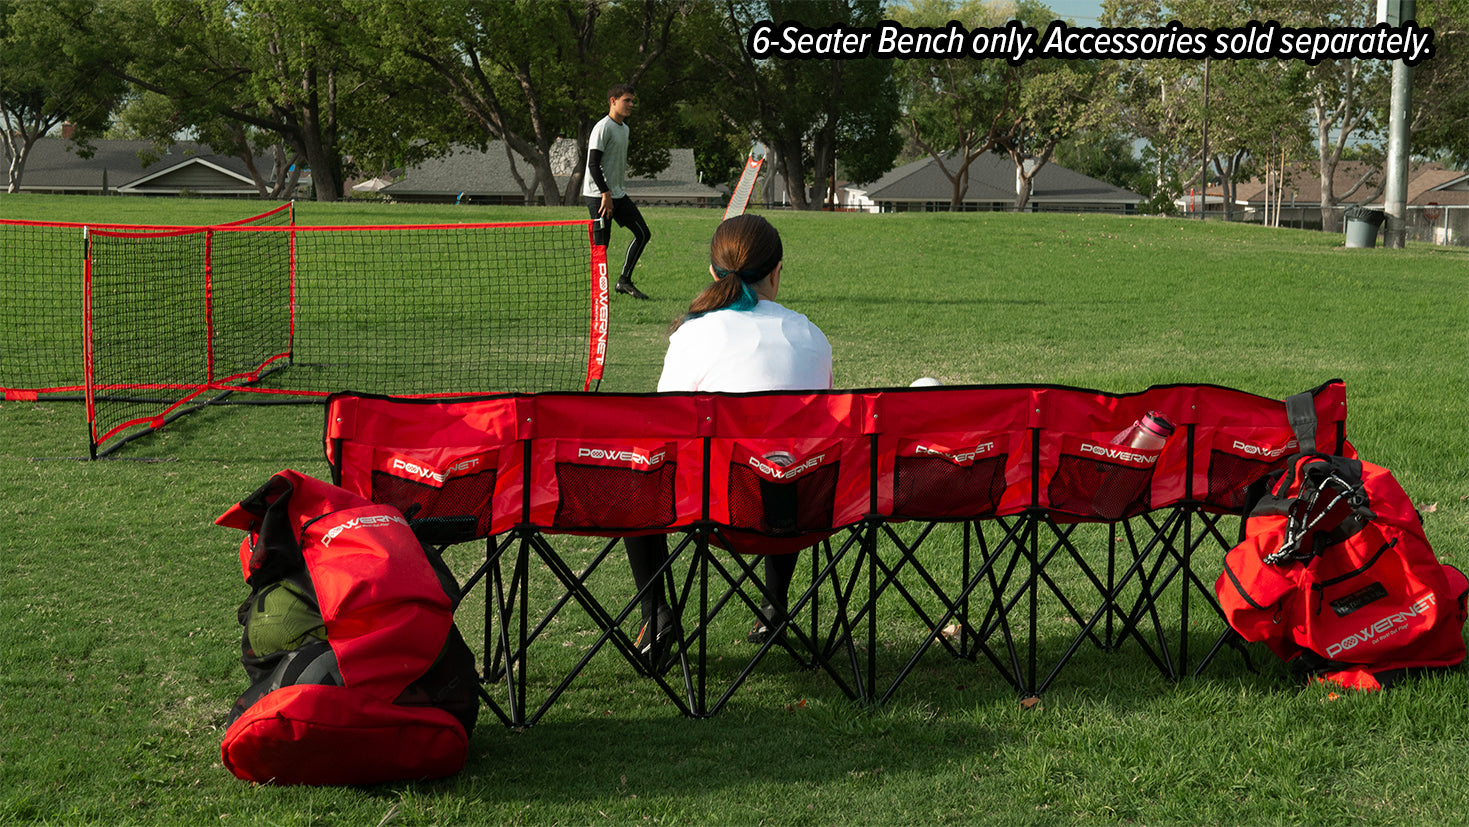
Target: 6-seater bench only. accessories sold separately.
[1052,515]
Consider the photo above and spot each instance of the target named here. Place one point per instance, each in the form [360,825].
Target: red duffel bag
[358,674]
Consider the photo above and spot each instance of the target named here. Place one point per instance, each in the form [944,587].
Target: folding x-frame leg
[710,565]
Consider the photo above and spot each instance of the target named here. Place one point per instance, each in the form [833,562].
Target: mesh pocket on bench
[1230,475]
[604,497]
[468,495]
[783,508]
[934,488]
[1091,488]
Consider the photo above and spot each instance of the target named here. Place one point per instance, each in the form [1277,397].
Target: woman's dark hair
[743,251]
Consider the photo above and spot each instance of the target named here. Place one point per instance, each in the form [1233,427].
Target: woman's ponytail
[744,250]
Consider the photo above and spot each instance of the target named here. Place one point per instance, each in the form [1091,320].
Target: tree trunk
[789,160]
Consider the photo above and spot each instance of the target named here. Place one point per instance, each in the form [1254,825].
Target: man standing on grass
[604,184]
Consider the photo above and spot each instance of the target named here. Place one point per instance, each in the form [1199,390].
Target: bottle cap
[1158,424]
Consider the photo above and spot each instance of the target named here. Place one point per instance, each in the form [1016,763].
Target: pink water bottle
[1119,485]
[1146,434]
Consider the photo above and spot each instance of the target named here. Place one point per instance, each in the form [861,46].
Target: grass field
[118,594]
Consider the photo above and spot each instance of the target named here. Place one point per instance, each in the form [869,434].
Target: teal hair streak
[745,301]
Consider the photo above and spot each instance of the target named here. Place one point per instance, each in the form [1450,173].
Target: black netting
[305,312]
[41,276]
[782,508]
[41,315]
[250,302]
[470,495]
[148,325]
[1091,488]
[928,487]
[595,496]
[1230,475]
[441,310]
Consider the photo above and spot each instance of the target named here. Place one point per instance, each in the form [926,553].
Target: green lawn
[118,594]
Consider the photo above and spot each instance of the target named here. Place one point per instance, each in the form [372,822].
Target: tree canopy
[356,87]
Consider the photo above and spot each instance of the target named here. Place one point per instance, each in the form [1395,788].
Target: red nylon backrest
[635,463]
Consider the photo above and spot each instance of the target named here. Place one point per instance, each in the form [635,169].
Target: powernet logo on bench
[1250,449]
[781,466]
[420,471]
[635,457]
[962,457]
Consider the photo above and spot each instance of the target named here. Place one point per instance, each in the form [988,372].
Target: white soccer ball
[925,382]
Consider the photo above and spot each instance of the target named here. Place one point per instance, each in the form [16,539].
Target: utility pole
[1204,172]
[1395,196]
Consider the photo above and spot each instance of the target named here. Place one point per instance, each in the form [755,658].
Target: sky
[1084,12]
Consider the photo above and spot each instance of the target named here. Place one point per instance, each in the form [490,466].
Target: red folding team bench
[1052,511]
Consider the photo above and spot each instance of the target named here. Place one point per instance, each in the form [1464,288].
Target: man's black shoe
[624,286]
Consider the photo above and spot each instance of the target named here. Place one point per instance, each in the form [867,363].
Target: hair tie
[749,275]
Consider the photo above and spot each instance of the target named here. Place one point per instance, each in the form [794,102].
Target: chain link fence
[1444,225]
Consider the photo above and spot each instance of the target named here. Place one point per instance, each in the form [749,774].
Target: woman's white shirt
[768,348]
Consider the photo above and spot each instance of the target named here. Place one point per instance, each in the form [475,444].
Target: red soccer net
[181,318]
[41,269]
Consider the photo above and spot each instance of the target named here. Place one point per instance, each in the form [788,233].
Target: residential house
[1299,200]
[993,184]
[116,168]
[468,175]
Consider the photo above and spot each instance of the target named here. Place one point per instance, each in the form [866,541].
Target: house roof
[53,164]
[992,178]
[476,173]
[1427,184]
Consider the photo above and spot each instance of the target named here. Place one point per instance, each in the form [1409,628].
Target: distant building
[1299,200]
[52,166]
[993,183]
[468,175]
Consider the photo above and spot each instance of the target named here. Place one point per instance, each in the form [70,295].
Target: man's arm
[594,168]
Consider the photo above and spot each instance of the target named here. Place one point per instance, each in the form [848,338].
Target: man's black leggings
[626,214]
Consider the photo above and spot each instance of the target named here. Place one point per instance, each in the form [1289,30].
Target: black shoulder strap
[275,553]
[1301,411]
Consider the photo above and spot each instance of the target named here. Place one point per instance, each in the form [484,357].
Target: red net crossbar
[803,465]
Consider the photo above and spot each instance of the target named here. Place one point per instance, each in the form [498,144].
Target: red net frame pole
[741,195]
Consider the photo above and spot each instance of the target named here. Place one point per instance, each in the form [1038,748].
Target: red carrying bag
[1336,576]
[384,688]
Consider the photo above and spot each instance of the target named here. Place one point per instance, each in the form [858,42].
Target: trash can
[1362,226]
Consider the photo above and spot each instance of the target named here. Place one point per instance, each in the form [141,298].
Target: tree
[1053,99]
[1344,94]
[1253,113]
[1222,113]
[807,112]
[294,70]
[48,52]
[149,116]
[1440,118]
[955,108]
[1105,153]
[531,72]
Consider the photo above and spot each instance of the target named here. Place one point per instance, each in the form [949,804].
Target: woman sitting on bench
[734,338]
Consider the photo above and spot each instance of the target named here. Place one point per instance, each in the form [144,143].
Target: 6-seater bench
[865,476]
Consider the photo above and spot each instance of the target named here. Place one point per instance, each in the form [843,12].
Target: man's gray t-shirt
[610,137]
